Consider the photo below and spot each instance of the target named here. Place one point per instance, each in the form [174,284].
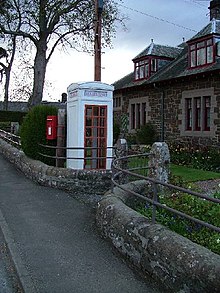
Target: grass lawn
[193,175]
[186,173]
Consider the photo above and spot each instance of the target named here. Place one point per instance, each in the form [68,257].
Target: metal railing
[119,171]
[74,148]
[11,138]
[93,157]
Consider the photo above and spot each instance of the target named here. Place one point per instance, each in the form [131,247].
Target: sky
[167,22]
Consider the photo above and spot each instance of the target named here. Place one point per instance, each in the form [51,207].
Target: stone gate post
[159,162]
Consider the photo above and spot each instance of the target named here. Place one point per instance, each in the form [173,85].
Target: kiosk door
[95,137]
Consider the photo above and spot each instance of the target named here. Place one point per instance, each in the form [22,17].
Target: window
[133,116]
[197,112]
[95,137]
[117,102]
[138,108]
[207,113]
[188,114]
[201,53]
[144,113]
[141,69]
[144,68]
[153,65]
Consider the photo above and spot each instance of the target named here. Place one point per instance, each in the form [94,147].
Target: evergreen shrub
[33,133]
[146,134]
[116,131]
[6,126]
[12,116]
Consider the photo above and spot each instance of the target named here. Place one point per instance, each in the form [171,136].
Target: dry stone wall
[88,185]
[179,264]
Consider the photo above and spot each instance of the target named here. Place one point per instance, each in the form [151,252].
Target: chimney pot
[214,9]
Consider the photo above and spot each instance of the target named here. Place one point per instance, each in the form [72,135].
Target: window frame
[197,114]
[138,113]
[199,54]
[117,102]
[148,65]
[95,132]
[188,107]
[207,113]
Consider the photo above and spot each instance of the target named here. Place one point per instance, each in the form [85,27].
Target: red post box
[51,127]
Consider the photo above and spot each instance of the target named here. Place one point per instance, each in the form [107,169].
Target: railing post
[155,199]
[14,127]
[122,151]
[159,170]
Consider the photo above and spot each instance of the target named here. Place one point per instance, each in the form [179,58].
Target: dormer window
[201,53]
[151,59]
[144,68]
[141,69]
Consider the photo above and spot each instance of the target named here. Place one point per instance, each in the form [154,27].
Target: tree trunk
[40,64]
[8,73]
[7,81]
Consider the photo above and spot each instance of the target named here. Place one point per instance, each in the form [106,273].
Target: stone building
[176,89]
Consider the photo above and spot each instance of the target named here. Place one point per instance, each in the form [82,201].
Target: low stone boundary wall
[179,264]
[86,184]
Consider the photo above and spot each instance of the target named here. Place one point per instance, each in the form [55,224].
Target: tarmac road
[54,243]
[9,282]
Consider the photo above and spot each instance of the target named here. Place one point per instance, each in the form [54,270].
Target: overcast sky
[167,22]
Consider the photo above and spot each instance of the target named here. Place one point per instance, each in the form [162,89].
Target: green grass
[187,174]
[192,175]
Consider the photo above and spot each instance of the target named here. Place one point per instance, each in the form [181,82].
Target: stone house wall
[173,107]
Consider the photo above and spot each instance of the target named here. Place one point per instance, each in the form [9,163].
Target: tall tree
[50,23]
[7,67]
[11,43]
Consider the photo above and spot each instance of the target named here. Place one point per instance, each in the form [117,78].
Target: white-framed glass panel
[153,65]
[201,53]
[201,56]
[210,54]
[193,58]
[207,113]
[142,71]
[188,114]
[197,113]
[136,71]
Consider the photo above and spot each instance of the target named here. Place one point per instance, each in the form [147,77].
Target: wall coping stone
[77,182]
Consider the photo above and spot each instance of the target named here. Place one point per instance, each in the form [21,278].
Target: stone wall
[88,185]
[179,264]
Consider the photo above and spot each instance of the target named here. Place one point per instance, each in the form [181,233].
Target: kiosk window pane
[95,137]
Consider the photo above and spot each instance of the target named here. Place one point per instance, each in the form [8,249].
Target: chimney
[214,9]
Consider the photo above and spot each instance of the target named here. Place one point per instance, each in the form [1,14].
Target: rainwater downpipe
[162,106]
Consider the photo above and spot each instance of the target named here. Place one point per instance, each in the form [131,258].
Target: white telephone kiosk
[89,125]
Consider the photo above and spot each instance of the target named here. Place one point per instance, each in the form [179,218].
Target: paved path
[54,243]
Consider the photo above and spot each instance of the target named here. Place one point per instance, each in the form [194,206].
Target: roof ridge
[151,48]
